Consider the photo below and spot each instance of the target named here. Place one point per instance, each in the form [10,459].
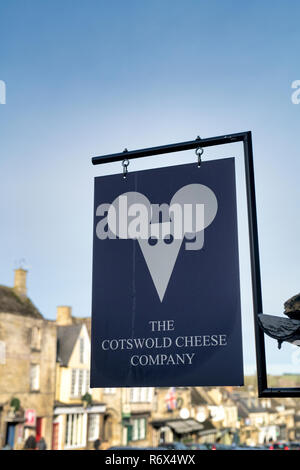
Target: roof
[242,410]
[200,397]
[246,406]
[85,320]
[66,339]
[58,403]
[180,426]
[207,425]
[11,302]
[185,426]
[70,408]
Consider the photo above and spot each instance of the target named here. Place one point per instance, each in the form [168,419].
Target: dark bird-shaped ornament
[284,329]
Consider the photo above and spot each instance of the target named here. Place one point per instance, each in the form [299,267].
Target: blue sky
[94,77]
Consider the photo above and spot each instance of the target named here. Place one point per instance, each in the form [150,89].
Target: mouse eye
[152,241]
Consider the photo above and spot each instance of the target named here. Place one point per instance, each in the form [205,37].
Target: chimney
[64,316]
[20,282]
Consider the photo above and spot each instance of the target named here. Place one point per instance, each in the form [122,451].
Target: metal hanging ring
[199,152]
[125,164]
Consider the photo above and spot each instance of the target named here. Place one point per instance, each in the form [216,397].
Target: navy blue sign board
[166,307]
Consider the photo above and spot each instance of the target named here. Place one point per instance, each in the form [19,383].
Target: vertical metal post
[255,263]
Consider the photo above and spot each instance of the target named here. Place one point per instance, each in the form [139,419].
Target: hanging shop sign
[30,417]
[166,290]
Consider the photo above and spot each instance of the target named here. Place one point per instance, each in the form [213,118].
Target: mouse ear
[197,194]
[117,217]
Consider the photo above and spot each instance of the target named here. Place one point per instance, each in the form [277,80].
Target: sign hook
[125,164]
[199,152]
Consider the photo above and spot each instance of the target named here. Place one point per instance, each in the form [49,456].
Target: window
[75,430]
[135,429]
[93,432]
[80,380]
[139,427]
[81,350]
[134,394]
[141,394]
[149,394]
[73,383]
[110,390]
[34,377]
[36,338]
[80,383]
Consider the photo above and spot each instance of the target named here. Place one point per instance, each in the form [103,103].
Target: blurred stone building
[44,375]
[27,367]
[181,414]
[127,417]
[264,420]
[78,413]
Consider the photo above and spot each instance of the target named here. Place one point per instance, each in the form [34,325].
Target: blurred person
[30,443]
[97,444]
[41,445]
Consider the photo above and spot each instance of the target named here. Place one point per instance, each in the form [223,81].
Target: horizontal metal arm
[179,147]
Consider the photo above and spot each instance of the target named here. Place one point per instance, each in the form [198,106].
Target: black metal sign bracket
[246,139]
